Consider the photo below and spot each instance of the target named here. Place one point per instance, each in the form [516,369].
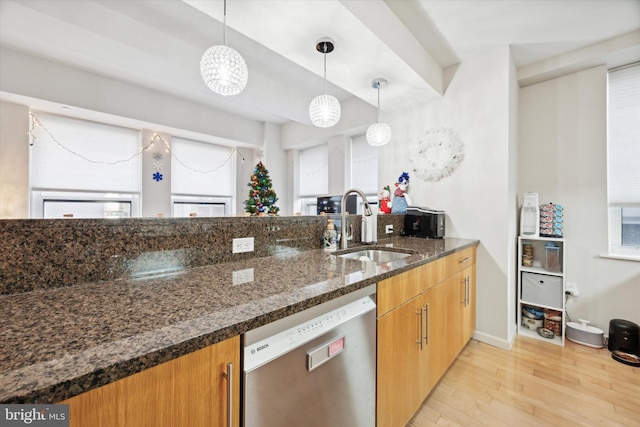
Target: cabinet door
[191,390]
[455,302]
[436,362]
[461,310]
[469,308]
[400,350]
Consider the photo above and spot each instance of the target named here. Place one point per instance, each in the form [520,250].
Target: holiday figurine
[401,198]
[385,200]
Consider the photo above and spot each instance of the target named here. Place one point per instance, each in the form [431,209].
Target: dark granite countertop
[60,342]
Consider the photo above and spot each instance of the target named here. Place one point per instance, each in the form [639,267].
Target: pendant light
[222,68]
[324,110]
[378,133]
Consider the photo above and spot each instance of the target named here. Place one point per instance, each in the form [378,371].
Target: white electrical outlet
[242,276]
[572,289]
[388,228]
[241,245]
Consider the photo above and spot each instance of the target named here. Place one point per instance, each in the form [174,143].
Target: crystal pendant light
[324,110]
[378,133]
[222,68]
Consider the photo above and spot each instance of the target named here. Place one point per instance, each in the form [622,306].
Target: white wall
[14,161]
[563,157]
[479,197]
[276,162]
[31,76]
[42,84]
[156,195]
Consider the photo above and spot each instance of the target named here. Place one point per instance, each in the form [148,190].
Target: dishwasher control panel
[261,352]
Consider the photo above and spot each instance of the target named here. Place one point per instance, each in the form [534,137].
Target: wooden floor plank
[534,384]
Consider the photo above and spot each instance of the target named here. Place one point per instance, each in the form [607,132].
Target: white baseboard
[494,341]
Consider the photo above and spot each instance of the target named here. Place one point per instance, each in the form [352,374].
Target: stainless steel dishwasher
[314,368]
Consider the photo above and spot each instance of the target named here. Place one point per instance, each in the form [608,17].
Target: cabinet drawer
[542,289]
[397,290]
[458,261]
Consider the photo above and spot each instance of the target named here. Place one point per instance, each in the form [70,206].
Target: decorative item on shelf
[553,321]
[330,236]
[157,165]
[385,200]
[532,312]
[437,154]
[552,257]
[551,220]
[222,68]
[545,333]
[262,198]
[401,199]
[532,317]
[378,133]
[527,254]
[324,110]
[530,215]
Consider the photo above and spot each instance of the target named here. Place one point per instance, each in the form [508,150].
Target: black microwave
[333,204]
[424,222]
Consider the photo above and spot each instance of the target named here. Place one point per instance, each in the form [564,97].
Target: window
[314,171]
[364,166]
[364,170]
[202,178]
[60,204]
[184,207]
[83,169]
[623,157]
[314,177]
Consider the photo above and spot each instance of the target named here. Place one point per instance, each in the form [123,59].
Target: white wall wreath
[437,154]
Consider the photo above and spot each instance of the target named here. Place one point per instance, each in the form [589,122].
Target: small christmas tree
[262,198]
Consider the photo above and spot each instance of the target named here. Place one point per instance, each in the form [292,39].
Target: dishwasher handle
[325,352]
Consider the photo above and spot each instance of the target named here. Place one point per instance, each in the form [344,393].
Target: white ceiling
[158,43]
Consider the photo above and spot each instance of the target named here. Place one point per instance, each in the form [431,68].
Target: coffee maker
[624,341]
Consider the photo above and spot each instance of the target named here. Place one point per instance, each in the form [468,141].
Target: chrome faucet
[343,215]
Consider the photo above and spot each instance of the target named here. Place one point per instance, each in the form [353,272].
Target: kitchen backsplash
[42,254]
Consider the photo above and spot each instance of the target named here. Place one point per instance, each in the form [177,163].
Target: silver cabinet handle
[428,313]
[462,261]
[421,313]
[229,376]
[468,289]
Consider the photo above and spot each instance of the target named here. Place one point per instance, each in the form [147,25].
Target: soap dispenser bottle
[330,236]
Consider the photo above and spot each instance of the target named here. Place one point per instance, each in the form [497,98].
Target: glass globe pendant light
[378,133]
[324,110]
[222,68]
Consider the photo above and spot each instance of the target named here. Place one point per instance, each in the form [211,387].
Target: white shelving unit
[548,290]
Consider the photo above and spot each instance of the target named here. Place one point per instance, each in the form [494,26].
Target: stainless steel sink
[375,255]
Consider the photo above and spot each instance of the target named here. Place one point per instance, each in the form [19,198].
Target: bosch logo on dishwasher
[262,347]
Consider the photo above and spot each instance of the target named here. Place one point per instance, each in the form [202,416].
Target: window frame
[225,201]
[40,196]
[616,248]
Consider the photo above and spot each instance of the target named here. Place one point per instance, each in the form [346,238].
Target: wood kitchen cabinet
[461,295]
[401,364]
[408,336]
[425,317]
[436,332]
[191,390]
[469,307]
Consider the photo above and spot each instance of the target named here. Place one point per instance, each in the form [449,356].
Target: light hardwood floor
[534,384]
